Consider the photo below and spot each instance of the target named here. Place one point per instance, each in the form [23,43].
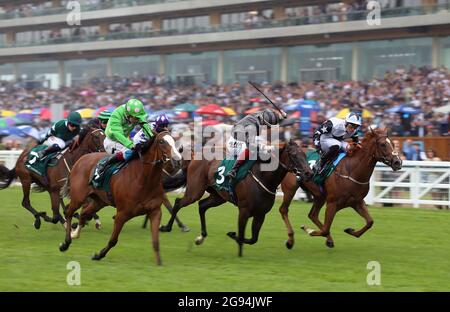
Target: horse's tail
[65,190]
[6,176]
[171,183]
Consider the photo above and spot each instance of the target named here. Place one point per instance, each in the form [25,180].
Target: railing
[418,184]
[84,8]
[292,21]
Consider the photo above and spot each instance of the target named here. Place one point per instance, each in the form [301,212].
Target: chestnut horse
[56,176]
[136,190]
[255,194]
[346,187]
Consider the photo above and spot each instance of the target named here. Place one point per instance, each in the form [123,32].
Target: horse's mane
[369,135]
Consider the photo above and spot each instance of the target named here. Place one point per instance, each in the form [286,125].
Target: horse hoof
[96,257]
[199,240]
[164,228]
[74,225]
[98,226]
[349,231]
[329,244]
[37,223]
[289,245]
[232,235]
[63,247]
[185,229]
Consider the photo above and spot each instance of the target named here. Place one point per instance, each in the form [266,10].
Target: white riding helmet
[353,118]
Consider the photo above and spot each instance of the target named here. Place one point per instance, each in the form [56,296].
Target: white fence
[419,183]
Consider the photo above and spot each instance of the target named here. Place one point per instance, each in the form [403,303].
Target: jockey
[61,134]
[95,123]
[159,125]
[247,131]
[330,137]
[122,121]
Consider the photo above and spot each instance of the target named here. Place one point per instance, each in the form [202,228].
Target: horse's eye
[162,141]
[383,145]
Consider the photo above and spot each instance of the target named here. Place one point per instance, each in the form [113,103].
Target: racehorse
[135,190]
[255,194]
[56,176]
[346,187]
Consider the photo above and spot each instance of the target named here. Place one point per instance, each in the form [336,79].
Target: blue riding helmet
[162,121]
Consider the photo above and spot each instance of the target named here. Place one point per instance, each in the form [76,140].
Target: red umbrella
[210,122]
[211,109]
[181,115]
[294,115]
[256,99]
[45,114]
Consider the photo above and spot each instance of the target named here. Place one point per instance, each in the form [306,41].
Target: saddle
[40,165]
[102,181]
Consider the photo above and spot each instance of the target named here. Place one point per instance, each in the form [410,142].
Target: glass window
[39,74]
[80,71]
[320,62]
[192,68]
[256,65]
[377,57]
[445,52]
[136,65]
[7,72]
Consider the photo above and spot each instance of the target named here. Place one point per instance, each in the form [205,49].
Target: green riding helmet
[135,108]
[74,118]
[104,115]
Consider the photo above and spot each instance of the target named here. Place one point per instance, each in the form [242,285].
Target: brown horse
[136,190]
[346,187]
[255,194]
[56,176]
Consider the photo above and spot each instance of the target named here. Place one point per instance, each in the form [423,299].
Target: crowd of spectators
[420,88]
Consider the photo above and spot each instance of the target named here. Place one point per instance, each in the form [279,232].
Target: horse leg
[186,200]
[155,220]
[26,186]
[56,201]
[68,213]
[87,211]
[212,200]
[362,210]
[330,212]
[119,221]
[242,223]
[168,205]
[98,223]
[256,227]
[314,217]
[284,211]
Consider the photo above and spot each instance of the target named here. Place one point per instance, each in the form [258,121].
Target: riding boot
[48,150]
[328,157]
[232,173]
[111,160]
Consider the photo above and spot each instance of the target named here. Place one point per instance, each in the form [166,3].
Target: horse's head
[93,141]
[165,148]
[296,161]
[384,149]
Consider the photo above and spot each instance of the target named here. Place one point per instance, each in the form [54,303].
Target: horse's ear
[371,130]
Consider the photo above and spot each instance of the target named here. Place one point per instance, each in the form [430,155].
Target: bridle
[164,157]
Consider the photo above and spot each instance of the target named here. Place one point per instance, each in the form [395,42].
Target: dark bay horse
[56,176]
[255,194]
[346,187]
[136,190]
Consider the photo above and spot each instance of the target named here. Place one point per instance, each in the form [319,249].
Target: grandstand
[219,41]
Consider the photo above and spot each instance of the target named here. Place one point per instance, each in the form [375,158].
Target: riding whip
[282,112]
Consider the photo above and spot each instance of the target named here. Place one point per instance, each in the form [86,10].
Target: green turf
[411,246]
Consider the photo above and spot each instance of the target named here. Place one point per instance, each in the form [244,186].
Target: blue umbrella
[403,109]
[302,104]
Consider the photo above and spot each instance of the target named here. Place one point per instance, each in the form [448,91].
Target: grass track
[411,245]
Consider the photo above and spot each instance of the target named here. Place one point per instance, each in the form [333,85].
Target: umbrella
[443,109]
[86,112]
[343,112]
[302,104]
[186,107]
[181,115]
[211,109]
[45,114]
[229,111]
[25,111]
[7,113]
[7,122]
[29,131]
[403,109]
[108,108]
[210,122]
